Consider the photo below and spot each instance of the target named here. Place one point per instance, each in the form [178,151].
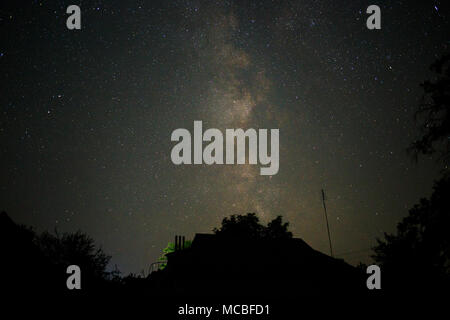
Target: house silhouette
[220,266]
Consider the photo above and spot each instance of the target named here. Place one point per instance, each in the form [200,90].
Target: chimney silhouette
[179,243]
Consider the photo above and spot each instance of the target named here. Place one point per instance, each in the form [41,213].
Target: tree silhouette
[433,115]
[75,248]
[418,255]
[48,256]
[276,229]
[248,226]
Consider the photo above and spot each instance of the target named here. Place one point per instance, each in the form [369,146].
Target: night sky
[86,117]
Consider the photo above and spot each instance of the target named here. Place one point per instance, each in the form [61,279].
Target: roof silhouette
[224,266]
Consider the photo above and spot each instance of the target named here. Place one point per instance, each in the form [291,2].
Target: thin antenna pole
[326,218]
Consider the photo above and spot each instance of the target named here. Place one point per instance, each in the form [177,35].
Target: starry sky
[86,117]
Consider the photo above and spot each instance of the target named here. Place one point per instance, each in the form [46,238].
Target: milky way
[86,117]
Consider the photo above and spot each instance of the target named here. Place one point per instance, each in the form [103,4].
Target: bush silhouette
[169,249]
